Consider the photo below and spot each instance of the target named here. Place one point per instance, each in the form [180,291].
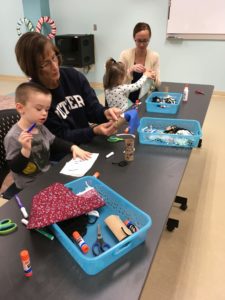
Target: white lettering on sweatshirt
[63,108]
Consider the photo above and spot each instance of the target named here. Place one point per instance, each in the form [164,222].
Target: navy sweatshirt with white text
[74,106]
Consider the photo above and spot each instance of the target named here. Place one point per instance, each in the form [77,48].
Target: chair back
[8,117]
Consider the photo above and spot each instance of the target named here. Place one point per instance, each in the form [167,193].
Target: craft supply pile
[169,132]
[163,102]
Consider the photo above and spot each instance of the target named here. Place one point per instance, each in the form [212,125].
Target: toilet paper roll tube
[120,122]
[118,228]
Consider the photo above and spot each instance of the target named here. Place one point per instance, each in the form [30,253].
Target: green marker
[46,234]
[41,231]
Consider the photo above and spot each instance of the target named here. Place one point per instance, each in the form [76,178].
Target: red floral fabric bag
[57,203]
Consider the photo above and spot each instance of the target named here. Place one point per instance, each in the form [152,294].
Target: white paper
[78,167]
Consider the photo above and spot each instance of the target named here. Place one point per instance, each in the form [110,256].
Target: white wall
[181,61]
[11,11]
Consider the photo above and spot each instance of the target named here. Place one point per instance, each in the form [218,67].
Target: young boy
[29,143]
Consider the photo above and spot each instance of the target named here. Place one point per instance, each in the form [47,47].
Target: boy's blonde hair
[114,74]
[23,91]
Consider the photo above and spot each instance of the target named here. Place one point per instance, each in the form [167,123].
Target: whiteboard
[197,19]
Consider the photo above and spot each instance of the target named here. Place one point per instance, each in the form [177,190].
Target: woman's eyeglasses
[142,41]
[47,64]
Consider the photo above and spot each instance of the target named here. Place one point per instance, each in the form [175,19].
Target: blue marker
[31,127]
[22,208]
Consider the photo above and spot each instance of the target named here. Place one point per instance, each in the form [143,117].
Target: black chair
[8,117]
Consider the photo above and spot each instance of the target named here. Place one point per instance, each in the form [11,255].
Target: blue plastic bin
[165,108]
[117,205]
[151,130]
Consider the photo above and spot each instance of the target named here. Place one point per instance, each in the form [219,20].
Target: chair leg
[200,143]
[172,224]
[182,201]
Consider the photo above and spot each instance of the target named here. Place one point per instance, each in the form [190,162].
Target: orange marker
[80,242]
[96,174]
[25,259]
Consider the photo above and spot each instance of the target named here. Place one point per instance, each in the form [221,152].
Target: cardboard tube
[129,149]
[120,122]
[118,228]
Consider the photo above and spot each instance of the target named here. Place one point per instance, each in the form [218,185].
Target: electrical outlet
[95,27]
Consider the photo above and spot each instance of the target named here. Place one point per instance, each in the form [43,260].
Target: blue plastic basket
[163,108]
[151,132]
[117,205]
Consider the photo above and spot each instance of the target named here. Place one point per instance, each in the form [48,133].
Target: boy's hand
[77,151]
[25,139]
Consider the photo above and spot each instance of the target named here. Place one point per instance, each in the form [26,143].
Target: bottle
[185,93]
[131,226]
[25,259]
[80,242]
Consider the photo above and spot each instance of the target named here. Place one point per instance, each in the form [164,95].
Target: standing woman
[74,103]
[140,59]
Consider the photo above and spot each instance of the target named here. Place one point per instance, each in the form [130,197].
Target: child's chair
[8,117]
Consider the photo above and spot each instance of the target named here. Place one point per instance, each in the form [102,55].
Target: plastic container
[149,132]
[115,204]
[163,108]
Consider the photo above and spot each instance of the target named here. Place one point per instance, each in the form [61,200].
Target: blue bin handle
[123,248]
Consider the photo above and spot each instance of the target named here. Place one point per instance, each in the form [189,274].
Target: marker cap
[24,212]
[24,221]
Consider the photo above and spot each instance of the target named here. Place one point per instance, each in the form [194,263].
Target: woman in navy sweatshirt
[74,103]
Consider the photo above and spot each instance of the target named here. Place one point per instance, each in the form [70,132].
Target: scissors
[7,226]
[99,246]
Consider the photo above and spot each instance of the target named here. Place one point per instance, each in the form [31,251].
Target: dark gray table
[151,182]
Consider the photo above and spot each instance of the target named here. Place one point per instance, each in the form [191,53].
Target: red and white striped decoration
[49,21]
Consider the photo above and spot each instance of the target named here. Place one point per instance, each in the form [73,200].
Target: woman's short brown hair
[141,26]
[29,49]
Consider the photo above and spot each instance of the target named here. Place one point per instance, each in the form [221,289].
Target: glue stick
[25,259]
[185,93]
[131,226]
[96,174]
[80,242]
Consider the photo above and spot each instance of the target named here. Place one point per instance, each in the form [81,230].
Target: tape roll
[49,21]
[26,22]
